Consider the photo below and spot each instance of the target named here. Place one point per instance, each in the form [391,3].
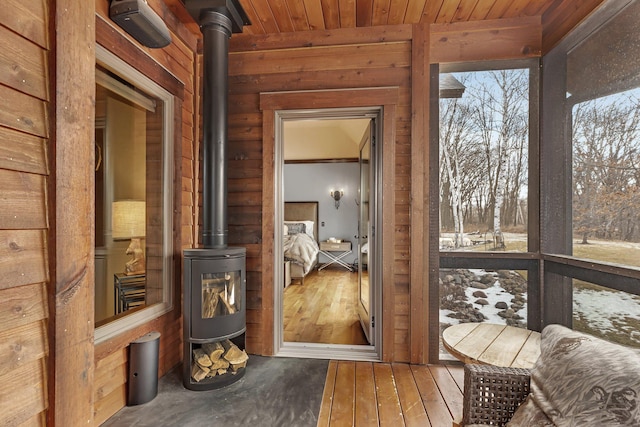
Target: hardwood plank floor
[323,309]
[391,394]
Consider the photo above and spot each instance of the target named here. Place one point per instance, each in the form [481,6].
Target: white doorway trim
[313,350]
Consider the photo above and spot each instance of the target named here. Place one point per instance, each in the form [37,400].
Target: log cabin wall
[172,66]
[25,136]
[387,56]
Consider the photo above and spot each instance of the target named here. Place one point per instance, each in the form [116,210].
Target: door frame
[365,314]
[274,106]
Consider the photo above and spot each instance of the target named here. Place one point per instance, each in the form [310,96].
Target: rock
[508,313]
[518,299]
[517,307]
[482,301]
[478,285]
[479,294]
[487,279]
[501,305]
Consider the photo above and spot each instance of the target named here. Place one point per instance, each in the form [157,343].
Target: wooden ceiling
[283,16]
[269,17]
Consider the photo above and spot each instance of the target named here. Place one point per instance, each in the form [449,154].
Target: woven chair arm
[492,394]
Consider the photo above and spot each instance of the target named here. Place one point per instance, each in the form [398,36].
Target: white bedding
[301,249]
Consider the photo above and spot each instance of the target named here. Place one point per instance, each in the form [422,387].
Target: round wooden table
[492,344]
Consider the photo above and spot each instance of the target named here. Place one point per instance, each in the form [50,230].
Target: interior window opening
[132,251]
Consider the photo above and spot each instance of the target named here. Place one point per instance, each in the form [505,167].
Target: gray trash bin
[143,369]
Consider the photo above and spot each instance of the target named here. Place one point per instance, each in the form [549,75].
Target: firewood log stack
[217,358]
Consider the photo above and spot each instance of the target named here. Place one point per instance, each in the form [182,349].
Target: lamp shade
[128,219]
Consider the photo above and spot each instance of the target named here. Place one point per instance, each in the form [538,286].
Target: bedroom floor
[323,310]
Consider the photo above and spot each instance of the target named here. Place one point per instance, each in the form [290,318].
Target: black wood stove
[215,276]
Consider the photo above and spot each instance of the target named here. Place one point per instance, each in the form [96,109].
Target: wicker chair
[492,394]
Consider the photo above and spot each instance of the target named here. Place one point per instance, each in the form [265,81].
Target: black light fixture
[141,22]
[336,195]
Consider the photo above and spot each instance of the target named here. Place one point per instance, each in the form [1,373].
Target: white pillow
[285,229]
[308,225]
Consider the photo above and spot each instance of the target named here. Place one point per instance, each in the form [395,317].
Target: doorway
[344,184]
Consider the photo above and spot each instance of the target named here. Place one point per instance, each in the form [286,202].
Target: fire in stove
[219,294]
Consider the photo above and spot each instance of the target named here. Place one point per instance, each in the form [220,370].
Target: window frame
[125,323]
[558,265]
[528,260]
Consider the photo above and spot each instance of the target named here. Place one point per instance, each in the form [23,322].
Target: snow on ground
[494,294]
[603,309]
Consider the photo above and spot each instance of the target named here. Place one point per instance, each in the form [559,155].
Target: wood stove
[214,277]
[214,317]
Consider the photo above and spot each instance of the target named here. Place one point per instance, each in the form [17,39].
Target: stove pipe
[216,31]
[218,19]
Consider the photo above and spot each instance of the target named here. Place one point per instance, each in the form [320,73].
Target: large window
[133,135]
[591,193]
[484,236]
[606,178]
[484,148]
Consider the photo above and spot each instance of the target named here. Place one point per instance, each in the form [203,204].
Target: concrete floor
[274,392]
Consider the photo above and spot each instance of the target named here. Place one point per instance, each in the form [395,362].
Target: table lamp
[128,221]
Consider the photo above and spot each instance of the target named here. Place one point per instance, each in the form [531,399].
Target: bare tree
[500,116]
[606,157]
[483,150]
[453,137]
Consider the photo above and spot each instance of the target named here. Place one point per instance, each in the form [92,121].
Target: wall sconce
[128,221]
[336,195]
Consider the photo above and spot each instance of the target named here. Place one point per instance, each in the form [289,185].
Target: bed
[301,237]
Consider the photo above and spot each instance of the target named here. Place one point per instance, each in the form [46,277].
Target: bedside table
[335,252]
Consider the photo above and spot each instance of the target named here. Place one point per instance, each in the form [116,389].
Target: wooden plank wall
[71,209]
[24,177]
[179,59]
[343,59]
[337,59]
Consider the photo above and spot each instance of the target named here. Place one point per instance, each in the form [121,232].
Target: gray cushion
[581,380]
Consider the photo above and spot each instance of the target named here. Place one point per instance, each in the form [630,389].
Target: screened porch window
[591,130]
[484,234]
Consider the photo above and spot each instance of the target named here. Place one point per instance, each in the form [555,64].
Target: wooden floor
[394,395]
[323,309]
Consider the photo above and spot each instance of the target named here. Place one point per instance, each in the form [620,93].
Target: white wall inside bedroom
[312,182]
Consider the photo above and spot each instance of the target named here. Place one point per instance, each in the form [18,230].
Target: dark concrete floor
[274,392]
